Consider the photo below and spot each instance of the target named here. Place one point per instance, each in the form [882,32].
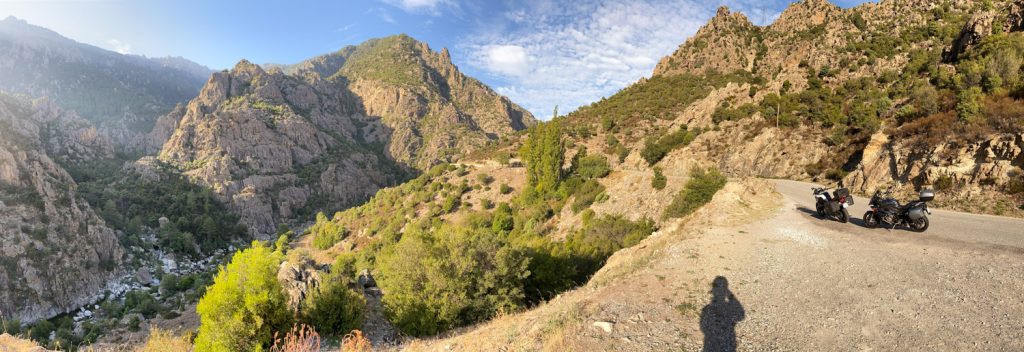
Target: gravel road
[812,284]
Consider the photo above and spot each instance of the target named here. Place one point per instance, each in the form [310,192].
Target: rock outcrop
[328,133]
[56,254]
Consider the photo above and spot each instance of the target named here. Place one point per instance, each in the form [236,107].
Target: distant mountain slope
[121,94]
[57,254]
[329,132]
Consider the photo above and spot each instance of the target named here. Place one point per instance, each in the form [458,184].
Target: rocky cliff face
[56,253]
[817,57]
[122,95]
[329,132]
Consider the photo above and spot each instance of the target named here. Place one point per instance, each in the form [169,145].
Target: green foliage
[659,181]
[142,302]
[590,166]
[661,96]
[326,232]
[656,148]
[698,191]
[504,189]
[245,304]
[484,179]
[199,222]
[968,109]
[452,277]
[544,154]
[590,247]
[335,309]
[589,192]
[725,113]
[502,220]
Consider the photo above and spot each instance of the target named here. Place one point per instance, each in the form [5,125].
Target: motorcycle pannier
[927,195]
[842,192]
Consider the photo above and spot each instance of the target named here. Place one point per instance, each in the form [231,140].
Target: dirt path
[811,284]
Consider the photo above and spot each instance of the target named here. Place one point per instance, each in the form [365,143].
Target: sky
[539,53]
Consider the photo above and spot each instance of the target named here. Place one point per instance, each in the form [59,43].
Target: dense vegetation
[198,222]
[441,274]
[699,190]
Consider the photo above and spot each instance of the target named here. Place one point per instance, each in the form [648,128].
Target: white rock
[604,325]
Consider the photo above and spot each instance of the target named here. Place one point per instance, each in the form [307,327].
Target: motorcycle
[886,210]
[833,205]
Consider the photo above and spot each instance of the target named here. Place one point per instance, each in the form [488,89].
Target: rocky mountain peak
[806,14]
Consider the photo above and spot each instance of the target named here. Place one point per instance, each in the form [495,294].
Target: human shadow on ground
[718,319]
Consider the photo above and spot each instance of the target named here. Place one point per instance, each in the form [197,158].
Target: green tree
[450,278]
[544,154]
[245,305]
[968,108]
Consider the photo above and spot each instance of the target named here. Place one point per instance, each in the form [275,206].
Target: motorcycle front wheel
[820,209]
[919,225]
[844,216]
[869,220]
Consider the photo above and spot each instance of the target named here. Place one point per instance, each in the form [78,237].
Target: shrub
[591,166]
[656,148]
[502,220]
[335,309]
[586,195]
[245,304]
[484,179]
[504,189]
[659,181]
[450,278]
[698,191]
[943,183]
[326,232]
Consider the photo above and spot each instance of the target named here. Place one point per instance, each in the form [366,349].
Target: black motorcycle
[833,205]
[886,210]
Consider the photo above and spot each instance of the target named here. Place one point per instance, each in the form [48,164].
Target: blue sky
[540,53]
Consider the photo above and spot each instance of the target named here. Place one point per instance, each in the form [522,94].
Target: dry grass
[301,338]
[356,342]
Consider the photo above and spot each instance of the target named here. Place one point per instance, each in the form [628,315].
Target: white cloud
[383,14]
[511,60]
[119,47]
[573,53]
[420,6]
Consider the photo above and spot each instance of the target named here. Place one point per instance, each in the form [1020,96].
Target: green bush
[245,305]
[335,309]
[326,232]
[698,191]
[587,194]
[450,278]
[484,179]
[659,181]
[591,166]
[656,148]
[504,189]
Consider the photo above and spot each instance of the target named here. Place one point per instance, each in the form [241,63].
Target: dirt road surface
[817,285]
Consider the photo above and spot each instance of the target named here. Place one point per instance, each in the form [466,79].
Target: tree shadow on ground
[718,318]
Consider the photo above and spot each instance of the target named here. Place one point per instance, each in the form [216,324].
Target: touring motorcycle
[886,210]
[833,205]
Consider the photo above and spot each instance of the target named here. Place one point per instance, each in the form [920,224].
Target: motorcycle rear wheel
[844,216]
[919,225]
[869,220]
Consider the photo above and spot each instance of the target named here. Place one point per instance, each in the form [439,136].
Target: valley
[378,197]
